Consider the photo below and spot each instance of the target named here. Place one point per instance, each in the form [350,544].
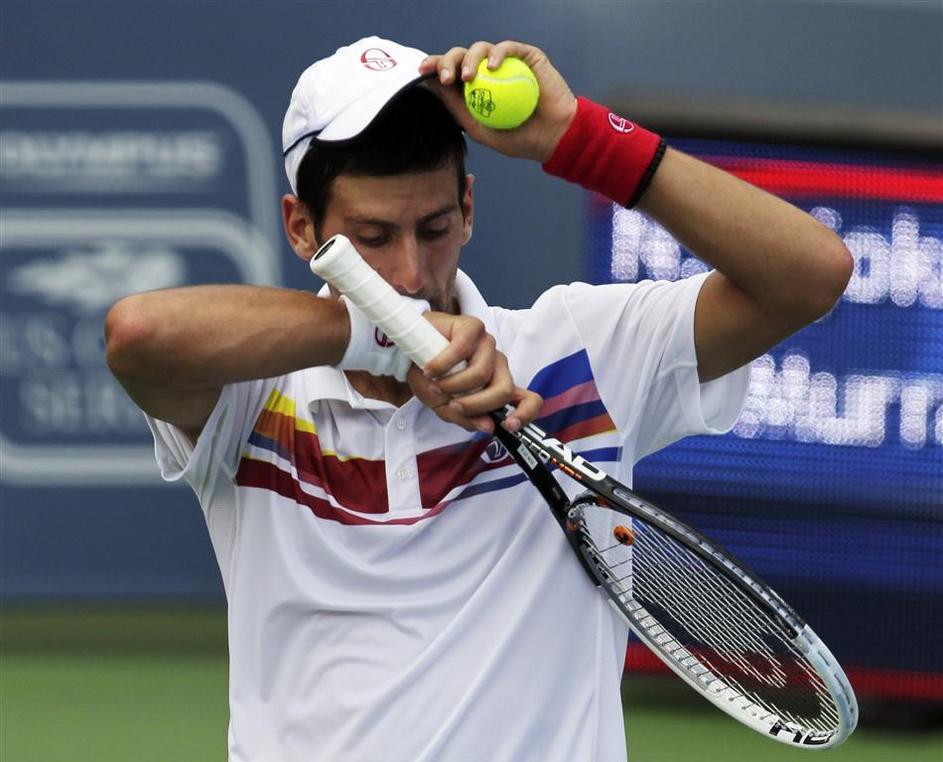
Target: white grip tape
[341,265]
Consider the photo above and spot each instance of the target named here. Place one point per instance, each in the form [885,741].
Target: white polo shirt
[397,590]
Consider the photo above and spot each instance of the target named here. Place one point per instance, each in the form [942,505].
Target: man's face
[410,228]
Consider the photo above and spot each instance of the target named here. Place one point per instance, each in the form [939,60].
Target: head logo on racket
[565,458]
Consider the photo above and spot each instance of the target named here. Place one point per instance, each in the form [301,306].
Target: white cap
[337,97]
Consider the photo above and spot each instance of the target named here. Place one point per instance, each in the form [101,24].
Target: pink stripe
[575,395]
[598,425]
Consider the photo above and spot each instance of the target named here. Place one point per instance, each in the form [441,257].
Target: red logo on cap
[382,339]
[377,60]
[620,124]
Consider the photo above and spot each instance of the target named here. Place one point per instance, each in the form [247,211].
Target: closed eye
[373,242]
[432,233]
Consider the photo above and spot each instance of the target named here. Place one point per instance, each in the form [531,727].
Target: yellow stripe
[303,424]
[279,403]
[345,458]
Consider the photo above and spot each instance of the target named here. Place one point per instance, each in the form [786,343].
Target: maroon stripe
[884,683]
[445,468]
[257,473]
[358,483]
[795,179]
[267,476]
[896,683]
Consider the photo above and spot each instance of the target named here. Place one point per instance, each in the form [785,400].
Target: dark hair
[414,133]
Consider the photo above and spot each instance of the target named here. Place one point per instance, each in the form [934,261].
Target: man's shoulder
[554,302]
[537,337]
[567,318]
[600,297]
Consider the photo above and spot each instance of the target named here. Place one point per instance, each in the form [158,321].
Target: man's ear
[299,228]
[468,208]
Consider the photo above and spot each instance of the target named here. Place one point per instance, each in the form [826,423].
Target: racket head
[713,622]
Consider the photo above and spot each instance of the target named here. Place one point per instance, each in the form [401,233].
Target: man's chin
[449,305]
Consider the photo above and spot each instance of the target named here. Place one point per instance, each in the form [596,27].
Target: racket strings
[741,639]
[730,642]
[745,640]
[708,625]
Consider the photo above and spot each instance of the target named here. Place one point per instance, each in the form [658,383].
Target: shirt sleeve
[640,342]
[217,451]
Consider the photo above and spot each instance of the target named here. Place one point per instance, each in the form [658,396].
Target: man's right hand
[538,136]
[485,384]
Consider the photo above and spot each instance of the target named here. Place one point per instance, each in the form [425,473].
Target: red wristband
[606,153]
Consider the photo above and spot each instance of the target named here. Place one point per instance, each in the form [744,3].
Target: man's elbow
[834,269]
[127,333]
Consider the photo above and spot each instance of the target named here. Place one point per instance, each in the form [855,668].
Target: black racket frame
[532,453]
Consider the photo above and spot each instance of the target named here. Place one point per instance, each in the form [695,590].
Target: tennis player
[396,589]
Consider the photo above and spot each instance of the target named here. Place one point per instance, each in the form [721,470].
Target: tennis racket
[702,612]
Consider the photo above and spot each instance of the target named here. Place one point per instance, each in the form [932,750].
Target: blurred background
[139,148]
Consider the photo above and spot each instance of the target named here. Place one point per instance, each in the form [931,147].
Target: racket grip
[341,265]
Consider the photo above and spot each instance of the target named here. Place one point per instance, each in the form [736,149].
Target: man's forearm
[775,253]
[209,336]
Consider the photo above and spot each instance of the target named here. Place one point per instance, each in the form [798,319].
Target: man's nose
[406,272]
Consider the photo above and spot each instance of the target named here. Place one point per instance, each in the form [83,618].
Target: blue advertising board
[108,189]
[831,481]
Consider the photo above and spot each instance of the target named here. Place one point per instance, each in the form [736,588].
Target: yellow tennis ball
[502,98]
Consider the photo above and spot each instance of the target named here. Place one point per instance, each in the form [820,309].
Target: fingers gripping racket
[703,613]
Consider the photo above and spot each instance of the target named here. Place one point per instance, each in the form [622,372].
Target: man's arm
[174,350]
[778,269]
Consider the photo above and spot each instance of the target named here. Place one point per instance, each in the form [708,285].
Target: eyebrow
[368,220]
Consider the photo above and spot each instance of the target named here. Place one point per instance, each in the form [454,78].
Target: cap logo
[377,60]
[620,124]
[382,339]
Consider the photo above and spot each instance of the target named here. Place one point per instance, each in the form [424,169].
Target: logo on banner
[87,280]
[110,189]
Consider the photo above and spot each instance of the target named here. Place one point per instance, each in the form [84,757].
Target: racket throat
[577,533]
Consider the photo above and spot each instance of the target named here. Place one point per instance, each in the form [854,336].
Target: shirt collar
[332,384]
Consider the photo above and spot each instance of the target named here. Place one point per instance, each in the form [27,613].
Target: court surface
[138,685]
